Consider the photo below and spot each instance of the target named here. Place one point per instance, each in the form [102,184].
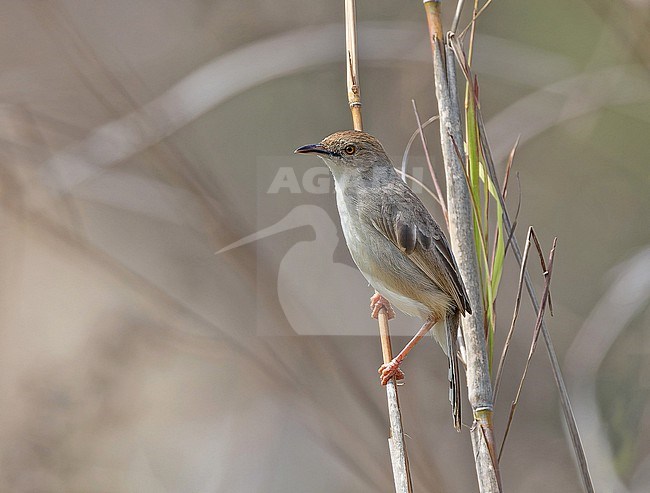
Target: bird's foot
[377,302]
[390,370]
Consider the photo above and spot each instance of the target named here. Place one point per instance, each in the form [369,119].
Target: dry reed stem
[462,239]
[567,410]
[546,296]
[396,443]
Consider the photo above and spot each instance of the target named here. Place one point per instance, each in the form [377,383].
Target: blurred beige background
[140,137]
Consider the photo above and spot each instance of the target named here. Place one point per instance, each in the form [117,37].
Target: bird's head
[347,150]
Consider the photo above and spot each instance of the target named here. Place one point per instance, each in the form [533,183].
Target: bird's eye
[350,149]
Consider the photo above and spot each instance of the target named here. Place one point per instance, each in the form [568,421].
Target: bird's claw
[390,370]
[377,302]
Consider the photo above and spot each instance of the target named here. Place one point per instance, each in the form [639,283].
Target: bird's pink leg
[391,369]
[377,302]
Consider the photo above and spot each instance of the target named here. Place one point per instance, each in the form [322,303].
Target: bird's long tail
[452,322]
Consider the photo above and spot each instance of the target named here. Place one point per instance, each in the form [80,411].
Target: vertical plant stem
[567,410]
[461,232]
[352,64]
[396,443]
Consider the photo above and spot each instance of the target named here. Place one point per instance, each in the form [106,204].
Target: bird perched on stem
[397,246]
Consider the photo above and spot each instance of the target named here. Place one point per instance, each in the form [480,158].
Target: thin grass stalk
[555,365]
[461,226]
[421,184]
[441,199]
[565,402]
[509,232]
[492,266]
[407,149]
[533,345]
[515,315]
[396,442]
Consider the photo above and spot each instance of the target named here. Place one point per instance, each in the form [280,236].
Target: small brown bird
[397,246]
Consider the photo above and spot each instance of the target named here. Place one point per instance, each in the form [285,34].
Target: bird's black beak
[316,148]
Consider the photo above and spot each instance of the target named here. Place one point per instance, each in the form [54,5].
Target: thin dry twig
[567,410]
[533,344]
[441,198]
[414,135]
[474,17]
[544,269]
[506,177]
[426,189]
[515,314]
[396,442]
[515,222]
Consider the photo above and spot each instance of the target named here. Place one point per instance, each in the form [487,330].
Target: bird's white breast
[362,238]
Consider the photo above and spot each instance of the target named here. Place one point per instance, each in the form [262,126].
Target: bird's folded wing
[412,229]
